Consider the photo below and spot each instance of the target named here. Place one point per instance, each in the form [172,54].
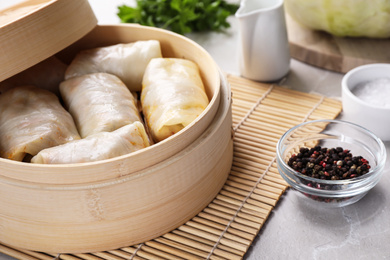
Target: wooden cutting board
[339,54]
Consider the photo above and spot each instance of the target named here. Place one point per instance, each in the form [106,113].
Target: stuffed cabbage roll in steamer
[100,146]
[99,102]
[32,119]
[125,60]
[47,74]
[172,96]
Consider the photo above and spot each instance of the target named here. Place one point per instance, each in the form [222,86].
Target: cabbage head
[353,18]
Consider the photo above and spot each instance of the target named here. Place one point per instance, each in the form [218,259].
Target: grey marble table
[296,230]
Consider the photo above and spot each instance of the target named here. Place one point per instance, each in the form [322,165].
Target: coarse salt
[375,92]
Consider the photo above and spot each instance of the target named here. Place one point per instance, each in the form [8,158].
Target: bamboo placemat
[230,223]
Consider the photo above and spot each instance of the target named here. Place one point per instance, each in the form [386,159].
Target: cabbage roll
[32,119]
[47,74]
[99,102]
[172,96]
[126,60]
[100,146]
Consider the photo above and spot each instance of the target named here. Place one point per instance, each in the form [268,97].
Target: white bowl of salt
[366,98]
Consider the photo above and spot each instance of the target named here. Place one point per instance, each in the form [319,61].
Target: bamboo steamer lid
[34,30]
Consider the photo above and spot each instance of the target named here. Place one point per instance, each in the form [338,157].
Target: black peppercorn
[328,163]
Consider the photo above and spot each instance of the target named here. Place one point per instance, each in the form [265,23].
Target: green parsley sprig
[181,16]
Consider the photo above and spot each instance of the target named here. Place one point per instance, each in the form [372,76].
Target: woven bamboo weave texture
[226,228]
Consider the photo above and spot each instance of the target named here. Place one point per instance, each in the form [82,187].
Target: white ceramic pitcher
[264,53]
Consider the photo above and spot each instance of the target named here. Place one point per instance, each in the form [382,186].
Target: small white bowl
[371,116]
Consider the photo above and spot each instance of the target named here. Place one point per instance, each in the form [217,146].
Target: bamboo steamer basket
[99,206]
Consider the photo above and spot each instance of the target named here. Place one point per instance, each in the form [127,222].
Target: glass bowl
[331,134]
